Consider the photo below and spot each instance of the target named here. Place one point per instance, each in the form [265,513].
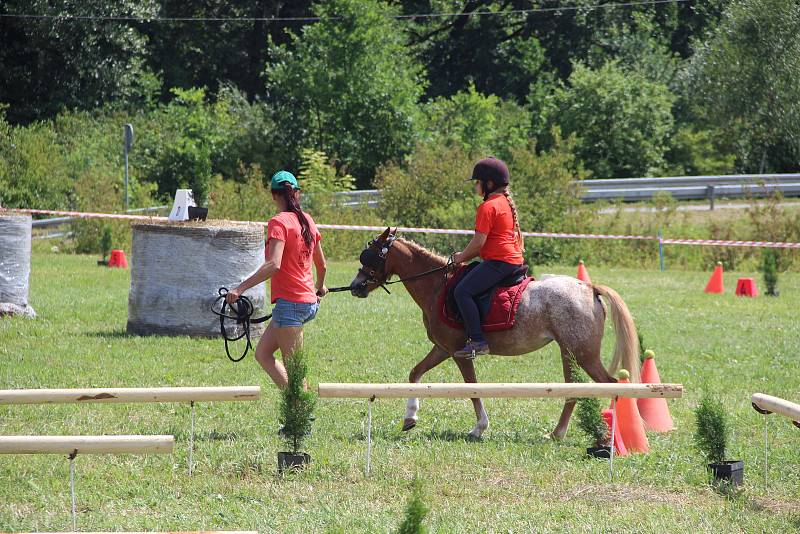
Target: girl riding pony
[497,240]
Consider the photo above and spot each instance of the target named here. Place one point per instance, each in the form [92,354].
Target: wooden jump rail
[74,445]
[497,390]
[130,395]
[767,404]
[120,395]
[86,444]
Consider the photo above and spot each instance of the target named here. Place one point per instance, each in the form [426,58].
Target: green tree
[745,78]
[186,161]
[348,86]
[481,124]
[49,64]
[621,119]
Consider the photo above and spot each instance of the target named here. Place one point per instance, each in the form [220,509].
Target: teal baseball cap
[282,177]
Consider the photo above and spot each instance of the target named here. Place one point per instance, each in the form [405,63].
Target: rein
[374,262]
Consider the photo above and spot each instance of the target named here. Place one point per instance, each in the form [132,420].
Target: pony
[561,309]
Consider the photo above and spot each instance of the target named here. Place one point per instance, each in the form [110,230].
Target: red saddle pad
[502,309]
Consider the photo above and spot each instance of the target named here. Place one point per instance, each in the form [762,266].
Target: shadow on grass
[110,334]
[211,435]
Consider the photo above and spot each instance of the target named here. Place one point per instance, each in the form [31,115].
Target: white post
[191,439]
[613,433]
[72,489]
[766,449]
[369,435]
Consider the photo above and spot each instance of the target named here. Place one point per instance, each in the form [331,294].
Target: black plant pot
[288,460]
[197,214]
[731,471]
[599,452]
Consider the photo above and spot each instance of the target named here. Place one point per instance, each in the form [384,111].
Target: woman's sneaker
[472,350]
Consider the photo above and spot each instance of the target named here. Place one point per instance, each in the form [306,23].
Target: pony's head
[374,271]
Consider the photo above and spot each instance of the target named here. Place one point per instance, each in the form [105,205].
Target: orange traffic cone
[654,412]
[583,274]
[630,422]
[619,445]
[118,259]
[715,282]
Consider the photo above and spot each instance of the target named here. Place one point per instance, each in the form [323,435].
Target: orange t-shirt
[293,281]
[495,219]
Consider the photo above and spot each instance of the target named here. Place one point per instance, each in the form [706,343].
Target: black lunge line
[243,308]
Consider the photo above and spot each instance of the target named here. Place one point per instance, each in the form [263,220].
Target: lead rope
[243,308]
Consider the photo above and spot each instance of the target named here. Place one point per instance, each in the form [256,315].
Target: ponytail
[293,205]
[517,229]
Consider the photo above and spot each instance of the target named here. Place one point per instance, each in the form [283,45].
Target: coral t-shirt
[495,219]
[294,280]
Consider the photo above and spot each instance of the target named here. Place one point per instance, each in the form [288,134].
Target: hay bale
[177,268]
[15,265]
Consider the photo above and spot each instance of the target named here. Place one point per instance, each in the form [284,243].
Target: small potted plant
[296,413]
[769,268]
[416,510]
[711,437]
[590,419]
[105,245]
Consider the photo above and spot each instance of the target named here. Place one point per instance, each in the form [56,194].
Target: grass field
[515,480]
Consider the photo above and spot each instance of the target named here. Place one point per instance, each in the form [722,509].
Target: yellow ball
[623,374]
[648,354]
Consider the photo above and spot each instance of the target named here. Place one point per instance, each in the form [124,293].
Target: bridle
[373,264]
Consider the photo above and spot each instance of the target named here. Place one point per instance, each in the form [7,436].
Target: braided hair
[293,204]
[517,229]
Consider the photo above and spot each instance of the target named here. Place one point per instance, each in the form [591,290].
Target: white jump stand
[180,209]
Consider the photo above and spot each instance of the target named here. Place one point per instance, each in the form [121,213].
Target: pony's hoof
[408,424]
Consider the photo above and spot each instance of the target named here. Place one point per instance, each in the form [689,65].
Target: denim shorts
[287,313]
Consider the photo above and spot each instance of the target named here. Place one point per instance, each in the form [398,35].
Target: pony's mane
[422,251]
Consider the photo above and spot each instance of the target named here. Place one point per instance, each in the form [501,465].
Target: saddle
[497,306]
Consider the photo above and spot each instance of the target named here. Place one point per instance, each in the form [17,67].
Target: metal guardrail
[640,189]
[692,187]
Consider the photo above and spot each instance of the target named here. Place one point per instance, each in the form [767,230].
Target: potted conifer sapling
[590,419]
[711,437]
[296,413]
[769,268]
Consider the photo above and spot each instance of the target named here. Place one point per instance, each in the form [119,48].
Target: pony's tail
[626,351]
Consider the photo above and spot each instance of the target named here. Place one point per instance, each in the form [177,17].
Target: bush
[430,191]
[479,124]
[297,403]
[711,433]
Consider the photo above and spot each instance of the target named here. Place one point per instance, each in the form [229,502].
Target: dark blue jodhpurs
[486,275]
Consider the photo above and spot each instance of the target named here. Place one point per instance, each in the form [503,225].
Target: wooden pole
[523,390]
[165,394]
[777,405]
[86,444]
